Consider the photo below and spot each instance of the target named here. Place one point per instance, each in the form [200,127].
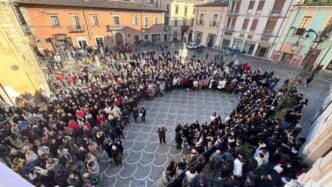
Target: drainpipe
[221,16]
[283,21]
[86,23]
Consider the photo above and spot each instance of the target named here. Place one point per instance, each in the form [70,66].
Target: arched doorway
[211,38]
[175,36]
[118,39]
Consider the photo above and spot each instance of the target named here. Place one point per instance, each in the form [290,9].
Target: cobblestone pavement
[144,157]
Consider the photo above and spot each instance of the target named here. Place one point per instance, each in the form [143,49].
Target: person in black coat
[135,114]
[178,140]
[162,133]
[142,114]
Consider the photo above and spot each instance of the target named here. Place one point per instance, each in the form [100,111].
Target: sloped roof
[215,3]
[121,5]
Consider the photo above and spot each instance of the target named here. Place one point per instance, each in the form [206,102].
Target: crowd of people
[252,147]
[87,112]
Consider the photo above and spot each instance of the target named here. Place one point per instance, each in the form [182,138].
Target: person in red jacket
[73,124]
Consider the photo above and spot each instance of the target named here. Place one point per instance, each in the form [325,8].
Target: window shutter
[245,24]
[238,4]
[279,4]
[251,5]
[261,5]
[271,23]
[254,25]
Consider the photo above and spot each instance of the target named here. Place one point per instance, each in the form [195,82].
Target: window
[251,5]
[185,11]
[305,22]
[328,27]
[201,19]
[234,22]
[155,20]
[135,20]
[245,24]
[146,21]
[237,8]
[278,5]
[260,5]
[254,25]
[176,9]
[271,23]
[175,23]
[76,20]
[116,20]
[95,20]
[55,21]
[214,21]
[215,18]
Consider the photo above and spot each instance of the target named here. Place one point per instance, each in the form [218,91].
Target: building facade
[296,43]
[317,149]
[209,21]
[20,71]
[181,19]
[61,24]
[253,26]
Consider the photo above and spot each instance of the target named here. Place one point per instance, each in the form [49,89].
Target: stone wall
[20,71]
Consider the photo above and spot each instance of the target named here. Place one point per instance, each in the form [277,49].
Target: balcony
[214,24]
[114,27]
[265,38]
[229,28]
[299,31]
[76,28]
[275,13]
[234,12]
[200,22]
[268,32]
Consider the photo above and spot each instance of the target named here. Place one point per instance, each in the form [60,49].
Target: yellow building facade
[181,19]
[210,19]
[19,69]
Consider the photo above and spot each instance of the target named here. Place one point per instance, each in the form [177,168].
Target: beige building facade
[210,19]
[317,149]
[20,71]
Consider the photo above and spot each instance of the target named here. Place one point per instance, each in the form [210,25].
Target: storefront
[249,48]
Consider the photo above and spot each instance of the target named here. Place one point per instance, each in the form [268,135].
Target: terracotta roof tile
[92,4]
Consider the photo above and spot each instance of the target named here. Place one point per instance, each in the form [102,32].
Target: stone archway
[118,39]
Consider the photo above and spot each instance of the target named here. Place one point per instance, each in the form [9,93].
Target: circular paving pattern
[144,158]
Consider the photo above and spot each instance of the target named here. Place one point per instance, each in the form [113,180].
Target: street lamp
[319,38]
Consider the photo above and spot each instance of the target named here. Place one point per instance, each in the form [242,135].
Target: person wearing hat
[162,133]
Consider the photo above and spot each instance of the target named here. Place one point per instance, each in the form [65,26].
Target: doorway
[136,39]
[287,57]
[249,48]
[329,66]
[99,42]
[312,57]
[262,51]
[118,39]
[82,42]
[211,38]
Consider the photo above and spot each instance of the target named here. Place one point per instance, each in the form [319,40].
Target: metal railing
[114,27]
[200,22]
[76,28]
[214,23]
